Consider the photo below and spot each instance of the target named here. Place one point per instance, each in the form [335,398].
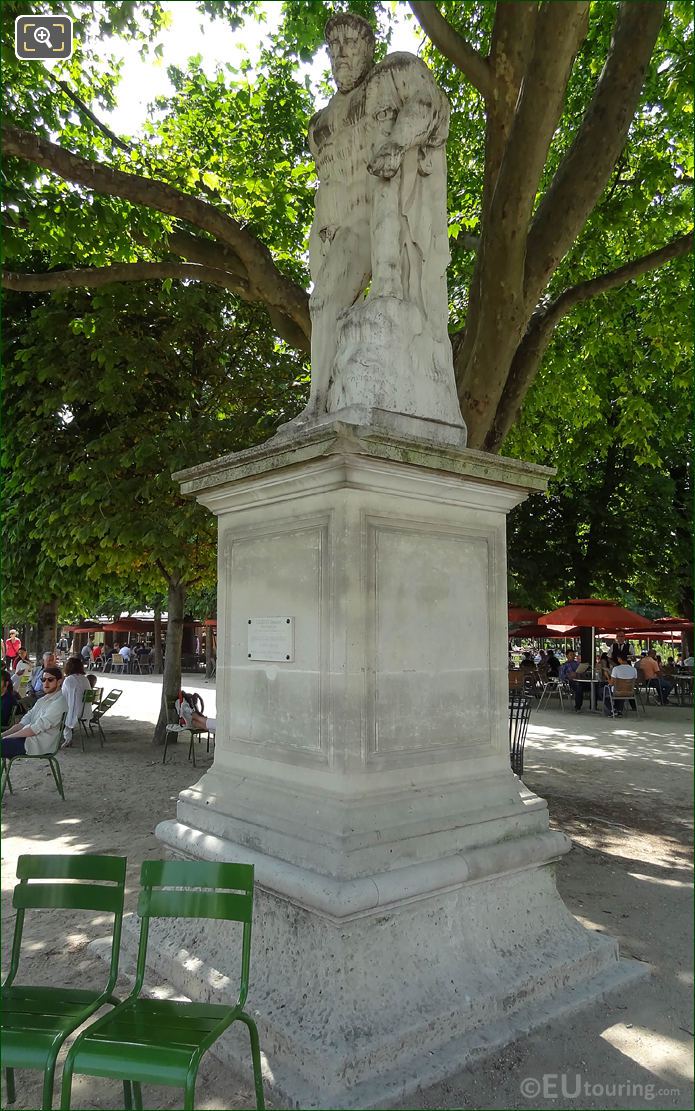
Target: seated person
[36,689]
[553,665]
[9,698]
[622,670]
[38,731]
[567,672]
[650,672]
[527,660]
[193,719]
[22,667]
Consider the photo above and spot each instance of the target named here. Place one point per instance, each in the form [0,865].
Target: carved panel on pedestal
[279,707]
[428,647]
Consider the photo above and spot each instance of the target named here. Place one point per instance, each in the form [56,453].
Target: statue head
[350,42]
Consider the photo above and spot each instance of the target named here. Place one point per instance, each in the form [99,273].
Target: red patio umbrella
[551,632]
[595,613]
[516,615]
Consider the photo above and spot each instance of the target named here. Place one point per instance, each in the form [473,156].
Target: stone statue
[379,247]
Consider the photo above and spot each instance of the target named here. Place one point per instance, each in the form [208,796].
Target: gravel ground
[621,789]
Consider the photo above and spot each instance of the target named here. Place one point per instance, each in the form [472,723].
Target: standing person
[12,646]
[74,686]
[567,672]
[38,731]
[621,647]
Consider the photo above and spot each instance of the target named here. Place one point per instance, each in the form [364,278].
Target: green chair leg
[127,1096]
[189,1090]
[137,1095]
[48,1075]
[256,1058]
[6,781]
[66,1087]
[55,768]
[9,1077]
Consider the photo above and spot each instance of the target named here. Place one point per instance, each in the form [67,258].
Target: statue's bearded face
[351,57]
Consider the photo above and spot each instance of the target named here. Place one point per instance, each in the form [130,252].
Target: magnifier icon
[43,36]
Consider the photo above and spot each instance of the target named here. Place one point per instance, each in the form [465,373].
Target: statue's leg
[343,276]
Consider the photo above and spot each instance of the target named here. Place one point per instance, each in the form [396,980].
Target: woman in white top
[24,667]
[75,684]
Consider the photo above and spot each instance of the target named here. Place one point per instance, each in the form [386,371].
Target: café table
[684,689]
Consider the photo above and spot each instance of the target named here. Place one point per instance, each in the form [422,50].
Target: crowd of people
[621,663]
[49,694]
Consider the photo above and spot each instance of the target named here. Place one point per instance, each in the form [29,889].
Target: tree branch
[120,272]
[583,172]
[543,322]
[267,284]
[85,111]
[454,47]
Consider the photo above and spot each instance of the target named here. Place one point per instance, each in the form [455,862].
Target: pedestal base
[366,1011]
[406,916]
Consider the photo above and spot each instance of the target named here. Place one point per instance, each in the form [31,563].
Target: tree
[613,417]
[569,153]
[134,382]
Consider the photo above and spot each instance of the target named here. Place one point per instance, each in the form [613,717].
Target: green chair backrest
[91,697]
[196,889]
[106,703]
[89,882]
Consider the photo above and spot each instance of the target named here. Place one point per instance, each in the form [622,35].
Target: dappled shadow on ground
[623,796]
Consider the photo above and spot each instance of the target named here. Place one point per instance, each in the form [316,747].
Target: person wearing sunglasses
[38,731]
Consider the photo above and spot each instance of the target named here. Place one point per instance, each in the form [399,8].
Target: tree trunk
[46,627]
[158,640]
[171,683]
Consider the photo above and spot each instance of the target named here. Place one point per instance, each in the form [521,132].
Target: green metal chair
[7,762]
[37,1020]
[160,1041]
[102,708]
[91,698]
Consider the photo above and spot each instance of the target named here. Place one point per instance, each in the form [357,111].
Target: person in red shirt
[12,647]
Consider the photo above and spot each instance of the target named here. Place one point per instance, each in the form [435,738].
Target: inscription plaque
[271,639]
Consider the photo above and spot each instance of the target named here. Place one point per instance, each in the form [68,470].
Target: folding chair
[627,693]
[91,698]
[551,687]
[7,762]
[174,728]
[37,1020]
[102,708]
[160,1041]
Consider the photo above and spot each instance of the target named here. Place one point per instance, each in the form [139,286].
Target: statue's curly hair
[350,19]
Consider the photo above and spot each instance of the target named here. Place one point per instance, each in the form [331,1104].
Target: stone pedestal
[406,912]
